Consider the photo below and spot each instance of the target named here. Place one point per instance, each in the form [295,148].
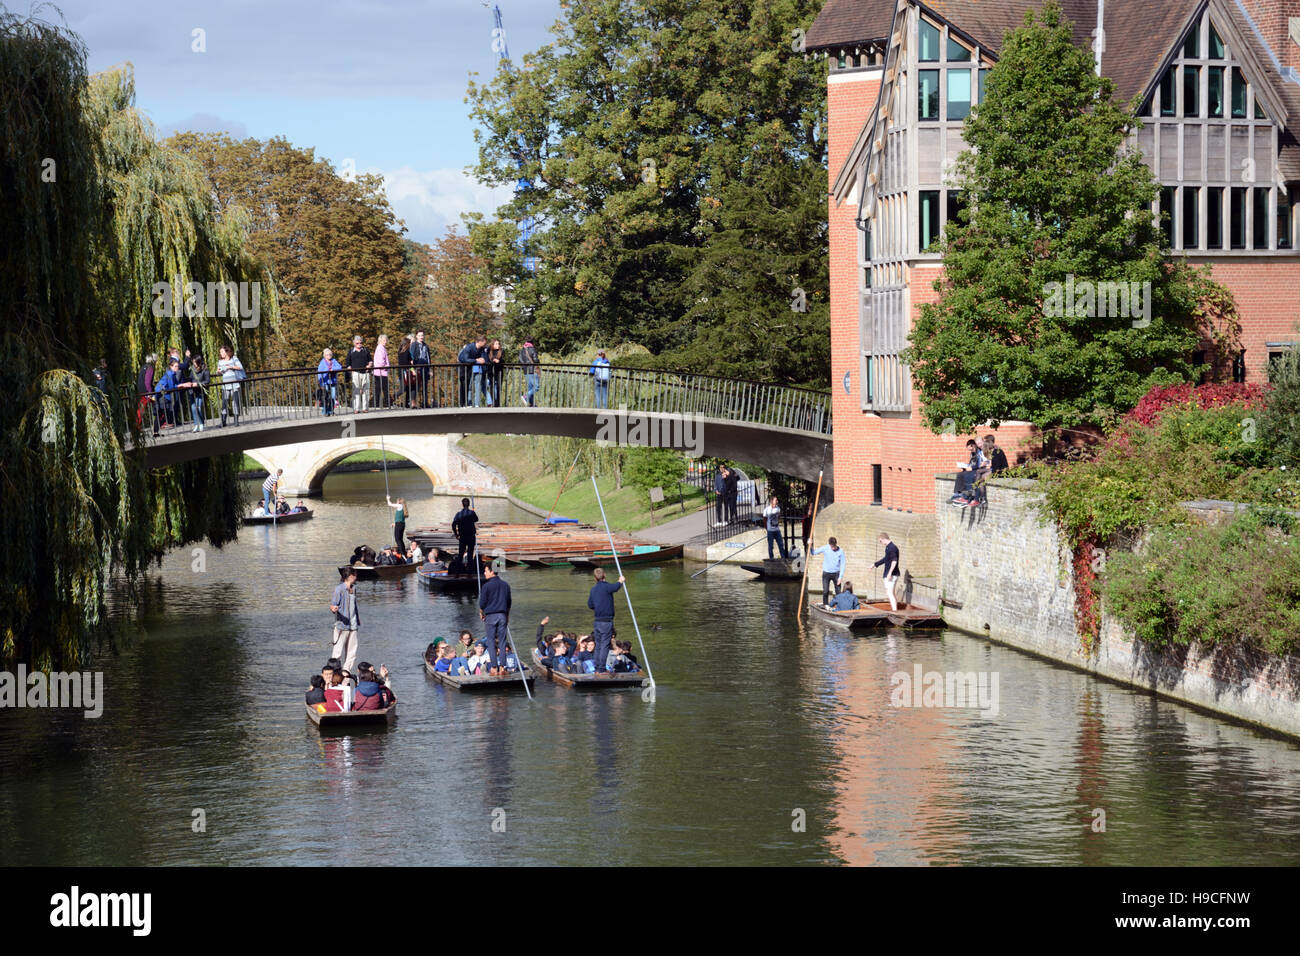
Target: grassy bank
[627,508]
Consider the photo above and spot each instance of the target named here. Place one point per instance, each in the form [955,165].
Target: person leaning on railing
[600,375]
[232,374]
[528,359]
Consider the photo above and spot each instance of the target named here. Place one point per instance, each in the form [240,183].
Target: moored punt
[480,682]
[642,554]
[348,719]
[777,569]
[442,581]
[590,681]
[878,614]
[290,518]
[366,572]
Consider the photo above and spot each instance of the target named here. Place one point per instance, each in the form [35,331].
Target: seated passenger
[299,506]
[316,693]
[368,696]
[281,507]
[616,660]
[479,662]
[558,657]
[544,645]
[630,663]
[415,555]
[332,678]
[386,686]
[457,566]
[466,648]
[585,659]
[846,600]
[511,662]
[259,512]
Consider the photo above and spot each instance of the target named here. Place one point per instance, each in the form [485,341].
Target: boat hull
[347,720]
[277,520]
[590,682]
[480,683]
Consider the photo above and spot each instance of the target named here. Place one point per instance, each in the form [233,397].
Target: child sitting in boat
[617,660]
[846,600]
[316,693]
[557,655]
[628,663]
[585,660]
[480,661]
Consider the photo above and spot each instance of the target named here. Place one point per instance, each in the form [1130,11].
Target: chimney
[1278,23]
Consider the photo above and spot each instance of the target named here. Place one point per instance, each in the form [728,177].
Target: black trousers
[731,506]
[381,391]
[721,505]
[465,375]
[399,532]
[830,586]
[466,548]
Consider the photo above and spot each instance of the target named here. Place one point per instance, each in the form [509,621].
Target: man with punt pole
[463,527]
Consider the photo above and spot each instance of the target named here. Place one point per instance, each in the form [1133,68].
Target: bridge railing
[298,394]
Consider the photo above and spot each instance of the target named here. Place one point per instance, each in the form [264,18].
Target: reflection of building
[1219,86]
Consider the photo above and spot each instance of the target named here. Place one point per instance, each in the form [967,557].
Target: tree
[677,161]
[1278,433]
[95,212]
[333,242]
[1056,205]
[450,296]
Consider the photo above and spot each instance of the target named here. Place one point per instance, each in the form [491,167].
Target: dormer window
[929,45]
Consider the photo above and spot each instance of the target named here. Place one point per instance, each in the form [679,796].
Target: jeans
[196,406]
[477,390]
[602,394]
[830,585]
[229,403]
[780,543]
[534,384]
[603,632]
[266,501]
[327,399]
[495,637]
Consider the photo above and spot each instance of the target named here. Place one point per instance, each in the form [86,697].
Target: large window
[1216,91]
[1238,94]
[1214,217]
[1168,94]
[928,86]
[1191,91]
[929,43]
[958,94]
[1261,218]
[1191,217]
[1237,218]
[1167,196]
[930,218]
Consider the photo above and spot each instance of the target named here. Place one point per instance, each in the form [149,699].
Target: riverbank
[517,458]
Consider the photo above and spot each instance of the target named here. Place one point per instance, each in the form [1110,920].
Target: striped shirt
[269,485]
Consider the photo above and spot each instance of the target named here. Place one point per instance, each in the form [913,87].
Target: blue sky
[379,82]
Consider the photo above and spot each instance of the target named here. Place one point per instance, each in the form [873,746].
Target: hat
[439,640]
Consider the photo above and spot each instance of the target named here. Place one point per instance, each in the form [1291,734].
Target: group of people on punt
[336,689]
[469,658]
[366,555]
[281,508]
[571,653]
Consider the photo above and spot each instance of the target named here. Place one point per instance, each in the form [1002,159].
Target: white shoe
[523,400]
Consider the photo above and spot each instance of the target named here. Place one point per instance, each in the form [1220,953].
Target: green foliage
[1231,585]
[1051,193]
[95,212]
[648,468]
[1279,422]
[677,155]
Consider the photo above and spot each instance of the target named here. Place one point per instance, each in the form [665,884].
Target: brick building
[1219,82]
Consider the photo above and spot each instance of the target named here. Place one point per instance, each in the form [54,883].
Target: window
[956,202]
[1237,218]
[1239,367]
[1214,217]
[956,52]
[1259,110]
[843,61]
[1167,196]
[866,258]
[1191,218]
[929,43]
[1168,94]
[1198,361]
[1216,91]
[1216,45]
[1274,360]
[1238,94]
[1261,218]
[1192,48]
[877,485]
[928,88]
[958,94]
[929,218]
[983,76]
[1191,91]
[1283,220]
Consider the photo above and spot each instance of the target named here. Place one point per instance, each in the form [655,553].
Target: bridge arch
[307,463]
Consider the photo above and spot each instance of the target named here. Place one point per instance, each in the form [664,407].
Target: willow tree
[96,213]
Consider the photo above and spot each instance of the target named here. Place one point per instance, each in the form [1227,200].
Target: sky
[378,82]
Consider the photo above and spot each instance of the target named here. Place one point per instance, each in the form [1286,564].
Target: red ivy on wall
[1147,411]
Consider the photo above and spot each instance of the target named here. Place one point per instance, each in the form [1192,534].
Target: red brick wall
[1267,292]
[849,105]
[1271,16]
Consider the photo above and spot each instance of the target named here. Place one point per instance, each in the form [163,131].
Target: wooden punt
[346,720]
[276,520]
[776,569]
[878,614]
[378,572]
[650,554]
[590,681]
[442,581]
[480,683]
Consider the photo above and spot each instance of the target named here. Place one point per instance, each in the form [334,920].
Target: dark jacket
[719,484]
[601,599]
[316,695]
[528,359]
[358,359]
[495,597]
[462,526]
[999,460]
[890,561]
[731,485]
[419,353]
[469,354]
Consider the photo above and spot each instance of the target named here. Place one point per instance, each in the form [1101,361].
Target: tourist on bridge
[772,516]
[327,379]
[494,611]
[420,366]
[465,359]
[406,376]
[496,356]
[399,520]
[270,488]
[360,362]
[730,493]
[463,527]
[890,571]
[382,397]
[199,382]
[600,374]
[167,388]
[532,382]
[832,568]
[232,374]
[601,602]
[144,388]
[347,620]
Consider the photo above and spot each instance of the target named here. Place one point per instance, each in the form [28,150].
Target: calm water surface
[755,718]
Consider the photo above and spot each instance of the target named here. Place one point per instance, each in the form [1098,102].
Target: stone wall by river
[1006,576]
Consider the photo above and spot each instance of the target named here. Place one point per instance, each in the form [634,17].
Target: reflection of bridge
[781,428]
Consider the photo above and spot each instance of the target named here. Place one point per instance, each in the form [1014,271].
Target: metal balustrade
[298,394]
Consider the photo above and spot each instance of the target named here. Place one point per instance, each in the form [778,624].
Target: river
[767,742]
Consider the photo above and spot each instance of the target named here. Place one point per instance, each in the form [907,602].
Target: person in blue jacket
[846,600]
[327,379]
[832,568]
[600,375]
[166,391]
[601,602]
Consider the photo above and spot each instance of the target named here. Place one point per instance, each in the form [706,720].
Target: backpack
[602,373]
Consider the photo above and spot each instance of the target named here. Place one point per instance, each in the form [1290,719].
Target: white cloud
[430,200]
